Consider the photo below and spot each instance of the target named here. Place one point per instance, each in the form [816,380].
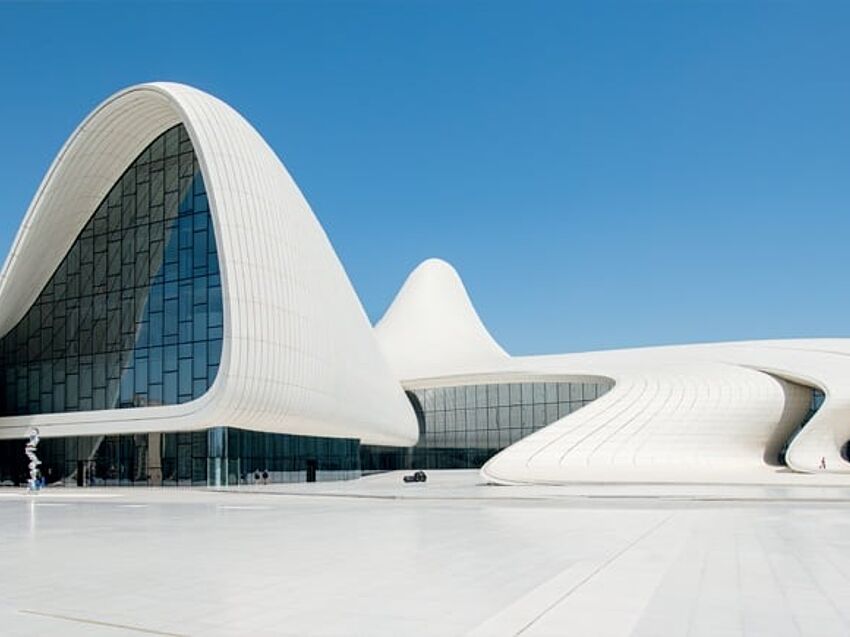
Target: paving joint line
[95,622]
[613,558]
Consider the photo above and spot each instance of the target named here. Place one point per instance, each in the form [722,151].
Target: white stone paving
[450,557]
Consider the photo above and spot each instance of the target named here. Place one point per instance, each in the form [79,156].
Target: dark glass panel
[107,299]
[462,427]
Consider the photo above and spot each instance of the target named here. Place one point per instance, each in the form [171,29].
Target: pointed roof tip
[433,268]
[431,271]
[434,263]
[432,329]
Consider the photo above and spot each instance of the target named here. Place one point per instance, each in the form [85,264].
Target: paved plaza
[448,557]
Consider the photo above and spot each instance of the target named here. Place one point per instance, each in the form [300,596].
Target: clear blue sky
[602,174]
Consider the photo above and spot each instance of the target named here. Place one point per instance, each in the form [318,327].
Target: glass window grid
[463,426]
[133,314]
[185,458]
[285,456]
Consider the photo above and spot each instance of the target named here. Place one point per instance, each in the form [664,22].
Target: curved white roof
[299,355]
[691,412]
[431,328]
[674,412]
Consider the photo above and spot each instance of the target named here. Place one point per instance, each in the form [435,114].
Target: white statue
[33,484]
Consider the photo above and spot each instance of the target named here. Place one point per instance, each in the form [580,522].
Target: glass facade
[133,314]
[217,456]
[287,458]
[462,427]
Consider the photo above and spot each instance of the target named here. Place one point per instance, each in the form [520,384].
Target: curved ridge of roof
[432,329]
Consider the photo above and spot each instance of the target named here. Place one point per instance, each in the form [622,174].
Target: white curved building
[696,412]
[297,354]
[171,312]
[170,276]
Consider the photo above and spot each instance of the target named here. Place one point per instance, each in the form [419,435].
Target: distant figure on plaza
[823,462]
[265,476]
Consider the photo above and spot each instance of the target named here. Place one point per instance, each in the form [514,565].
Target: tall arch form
[298,354]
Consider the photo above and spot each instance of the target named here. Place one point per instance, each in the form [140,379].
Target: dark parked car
[419,476]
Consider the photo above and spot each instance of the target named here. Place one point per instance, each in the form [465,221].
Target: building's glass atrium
[133,314]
